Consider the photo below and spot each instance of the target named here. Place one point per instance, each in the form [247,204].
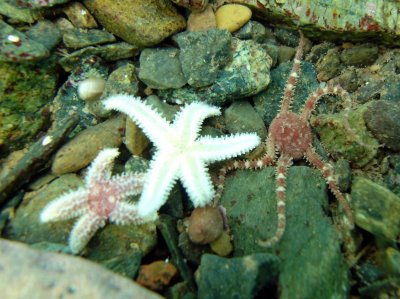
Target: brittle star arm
[326,170]
[283,163]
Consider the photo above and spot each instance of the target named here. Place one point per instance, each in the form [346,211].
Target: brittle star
[290,135]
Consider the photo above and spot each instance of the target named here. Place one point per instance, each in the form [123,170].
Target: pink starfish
[98,201]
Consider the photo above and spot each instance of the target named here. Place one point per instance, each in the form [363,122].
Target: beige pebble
[84,147]
[223,245]
[232,16]
[202,21]
[135,141]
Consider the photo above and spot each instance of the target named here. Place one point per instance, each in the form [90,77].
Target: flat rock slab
[29,273]
[311,263]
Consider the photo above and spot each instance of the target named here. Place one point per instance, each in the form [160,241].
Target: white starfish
[99,200]
[181,152]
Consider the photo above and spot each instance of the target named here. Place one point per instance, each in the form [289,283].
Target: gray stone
[310,242]
[45,33]
[329,65]
[29,273]
[203,54]
[241,277]
[285,54]
[241,117]
[382,118]
[376,209]
[360,55]
[246,75]
[161,68]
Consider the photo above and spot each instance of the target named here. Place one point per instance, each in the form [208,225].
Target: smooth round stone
[232,16]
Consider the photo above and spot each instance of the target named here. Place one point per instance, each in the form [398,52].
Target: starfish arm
[189,120]
[211,149]
[126,213]
[160,178]
[156,127]
[197,181]
[66,206]
[127,184]
[83,230]
[100,169]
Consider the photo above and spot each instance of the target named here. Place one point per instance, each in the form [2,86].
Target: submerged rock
[376,209]
[246,75]
[240,277]
[142,23]
[310,242]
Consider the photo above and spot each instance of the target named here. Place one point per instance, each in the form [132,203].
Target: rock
[203,55]
[79,15]
[382,119]
[255,31]
[161,68]
[240,117]
[267,103]
[45,33]
[110,52]
[26,91]
[78,38]
[246,75]
[250,203]
[24,15]
[81,150]
[223,245]
[55,275]
[376,209]
[241,277]
[16,46]
[329,65]
[392,176]
[36,4]
[349,139]
[389,260]
[195,5]
[285,54]
[232,16]
[202,21]
[157,275]
[142,23]
[135,141]
[359,55]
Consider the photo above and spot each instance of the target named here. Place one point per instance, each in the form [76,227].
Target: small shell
[91,88]
[205,225]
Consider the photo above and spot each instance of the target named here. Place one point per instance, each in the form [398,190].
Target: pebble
[79,15]
[232,16]
[382,118]
[376,209]
[223,245]
[202,21]
[205,225]
[360,55]
[81,150]
[156,275]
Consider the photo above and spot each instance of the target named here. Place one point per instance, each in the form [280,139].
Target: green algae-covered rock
[376,209]
[25,92]
[246,75]
[203,54]
[240,277]
[142,23]
[312,265]
[161,68]
[350,140]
